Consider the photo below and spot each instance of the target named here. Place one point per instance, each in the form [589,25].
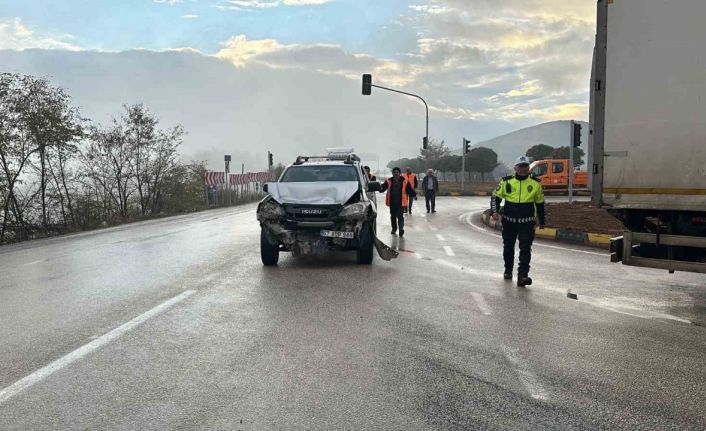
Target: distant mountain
[515,144]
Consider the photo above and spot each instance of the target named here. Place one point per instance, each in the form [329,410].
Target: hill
[514,144]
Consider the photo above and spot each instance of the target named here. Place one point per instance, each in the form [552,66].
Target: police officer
[524,206]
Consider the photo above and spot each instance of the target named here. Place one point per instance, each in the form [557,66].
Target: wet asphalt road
[175,324]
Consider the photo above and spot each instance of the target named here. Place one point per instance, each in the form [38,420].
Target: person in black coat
[430,187]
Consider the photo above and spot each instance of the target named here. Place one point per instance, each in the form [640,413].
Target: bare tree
[16,148]
[108,159]
[165,160]
[435,151]
[57,172]
[141,134]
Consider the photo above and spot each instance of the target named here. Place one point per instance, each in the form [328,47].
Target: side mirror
[264,188]
[374,186]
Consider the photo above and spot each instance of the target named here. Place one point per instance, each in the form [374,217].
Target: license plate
[336,234]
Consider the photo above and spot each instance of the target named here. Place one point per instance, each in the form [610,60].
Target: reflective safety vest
[411,178]
[405,199]
[522,197]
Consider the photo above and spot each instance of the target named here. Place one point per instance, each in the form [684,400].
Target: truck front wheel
[269,253]
[365,250]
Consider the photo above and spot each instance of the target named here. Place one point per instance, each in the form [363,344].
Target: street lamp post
[367,86]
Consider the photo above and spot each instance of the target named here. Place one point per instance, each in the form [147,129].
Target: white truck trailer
[648,130]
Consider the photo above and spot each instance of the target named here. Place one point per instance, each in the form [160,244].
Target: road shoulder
[561,235]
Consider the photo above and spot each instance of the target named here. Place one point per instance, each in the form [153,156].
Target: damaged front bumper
[295,229]
[306,238]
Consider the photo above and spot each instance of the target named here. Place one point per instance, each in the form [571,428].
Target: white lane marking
[528,379]
[481,304]
[440,237]
[466,218]
[418,256]
[86,349]
[449,251]
[33,263]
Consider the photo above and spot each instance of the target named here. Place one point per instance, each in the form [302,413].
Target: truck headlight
[270,210]
[356,210]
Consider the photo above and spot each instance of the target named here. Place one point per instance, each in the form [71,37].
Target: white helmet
[522,160]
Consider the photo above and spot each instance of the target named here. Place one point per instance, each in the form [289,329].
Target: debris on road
[385,252]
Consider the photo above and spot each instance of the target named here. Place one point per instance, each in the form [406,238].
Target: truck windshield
[540,170]
[311,174]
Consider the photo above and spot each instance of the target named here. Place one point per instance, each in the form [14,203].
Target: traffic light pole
[465,149]
[226,159]
[426,136]
[571,164]
[463,165]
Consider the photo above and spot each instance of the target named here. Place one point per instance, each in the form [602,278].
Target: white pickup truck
[321,204]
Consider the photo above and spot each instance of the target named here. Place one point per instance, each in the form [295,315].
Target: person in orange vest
[412,180]
[398,190]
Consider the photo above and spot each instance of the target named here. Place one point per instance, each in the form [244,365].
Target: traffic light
[270,162]
[425,142]
[367,84]
[466,146]
[577,135]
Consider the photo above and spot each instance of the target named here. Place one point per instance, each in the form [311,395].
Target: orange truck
[554,175]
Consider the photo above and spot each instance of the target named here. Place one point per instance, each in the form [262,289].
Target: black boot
[507,275]
[523,280]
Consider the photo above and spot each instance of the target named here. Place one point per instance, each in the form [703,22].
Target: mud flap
[385,252]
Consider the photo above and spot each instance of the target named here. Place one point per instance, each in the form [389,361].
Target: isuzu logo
[312,212]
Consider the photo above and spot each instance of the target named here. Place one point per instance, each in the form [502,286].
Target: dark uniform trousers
[524,232]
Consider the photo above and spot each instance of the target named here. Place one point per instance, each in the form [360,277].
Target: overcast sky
[245,76]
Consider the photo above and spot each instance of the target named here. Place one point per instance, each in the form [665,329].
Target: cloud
[267,4]
[532,57]
[530,88]
[485,67]
[320,58]
[14,34]
[169,2]
[244,111]
[190,16]
[549,113]
[470,57]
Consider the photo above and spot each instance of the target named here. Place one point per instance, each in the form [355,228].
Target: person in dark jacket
[370,176]
[398,191]
[524,207]
[430,187]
